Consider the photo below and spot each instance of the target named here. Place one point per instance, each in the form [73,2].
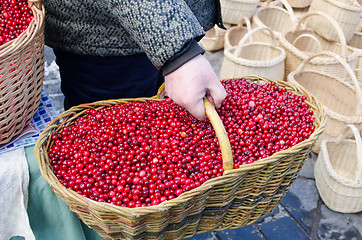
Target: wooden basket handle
[357,137]
[307,35]
[218,126]
[37,3]
[345,65]
[243,40]
[342,38]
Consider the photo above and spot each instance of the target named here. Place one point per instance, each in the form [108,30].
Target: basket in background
[299,3]
[21,76]
[345,12]
[338,172]
[235,33]
[341,100]
[356,43]
[255,58]
[213,39]
[234,10]
[277,18]
[237,198]
[299,52]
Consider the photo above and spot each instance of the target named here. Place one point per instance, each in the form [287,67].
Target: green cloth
[49,216]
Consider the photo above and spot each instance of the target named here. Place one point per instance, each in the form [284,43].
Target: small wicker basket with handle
[303,48]
[345,12]
[234,10]
[277,18]
[341,100]
[21,76]
[255,58]
[237,198]
[338,172]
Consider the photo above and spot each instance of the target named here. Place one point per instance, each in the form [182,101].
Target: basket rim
[140,211]
[354,7]
[30,32]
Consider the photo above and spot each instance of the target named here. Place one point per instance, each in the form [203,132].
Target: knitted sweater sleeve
[161,28]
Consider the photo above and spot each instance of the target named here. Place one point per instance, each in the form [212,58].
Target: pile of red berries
[15,17]
[141,154]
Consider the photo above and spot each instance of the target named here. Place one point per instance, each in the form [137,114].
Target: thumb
[197,109]
[216,93]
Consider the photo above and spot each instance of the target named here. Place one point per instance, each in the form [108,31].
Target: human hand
[190,83]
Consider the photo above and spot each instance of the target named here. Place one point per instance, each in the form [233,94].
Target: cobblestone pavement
[301,213]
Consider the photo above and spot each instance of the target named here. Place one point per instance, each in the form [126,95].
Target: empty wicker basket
[235,33]
[338,172]
[255,58]
[341,100]
[234,10]
[298,50]
[277,18]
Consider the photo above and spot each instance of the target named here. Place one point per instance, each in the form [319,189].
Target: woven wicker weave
[278,19]
[21,76]
[256,58]
[298,53]
[356,43]
[234,10]
[345,12]
[300,3]
[342,101]
[338,172]
[236,199]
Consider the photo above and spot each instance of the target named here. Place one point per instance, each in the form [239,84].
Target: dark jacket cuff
[189,51]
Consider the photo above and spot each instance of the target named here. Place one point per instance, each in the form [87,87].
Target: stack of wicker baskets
[236,199]
[21,76]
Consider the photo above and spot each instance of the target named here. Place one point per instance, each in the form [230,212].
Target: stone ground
[301,213]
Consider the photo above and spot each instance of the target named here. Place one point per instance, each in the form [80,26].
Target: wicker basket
[299,3]
[256,58]
[346,13]
[235,33]
[236,199]
[296,54]
[213,39]
[338,172]
[356,43]
[278,19]
[234,10]
[342,101]
[21,76]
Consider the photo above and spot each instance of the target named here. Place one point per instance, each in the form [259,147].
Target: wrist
[189,51]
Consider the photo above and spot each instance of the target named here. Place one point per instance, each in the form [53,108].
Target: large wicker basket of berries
[146,169]
[21,64]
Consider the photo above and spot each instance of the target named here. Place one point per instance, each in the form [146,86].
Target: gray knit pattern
[160,28]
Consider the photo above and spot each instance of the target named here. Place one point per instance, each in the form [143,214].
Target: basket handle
[287,6]
[342,38]
[357,137]
[246,21]
[37,3]
[240,45]
[218,126]
[307,35]
[346,66]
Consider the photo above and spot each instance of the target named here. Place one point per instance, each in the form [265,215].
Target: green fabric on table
[49,216]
